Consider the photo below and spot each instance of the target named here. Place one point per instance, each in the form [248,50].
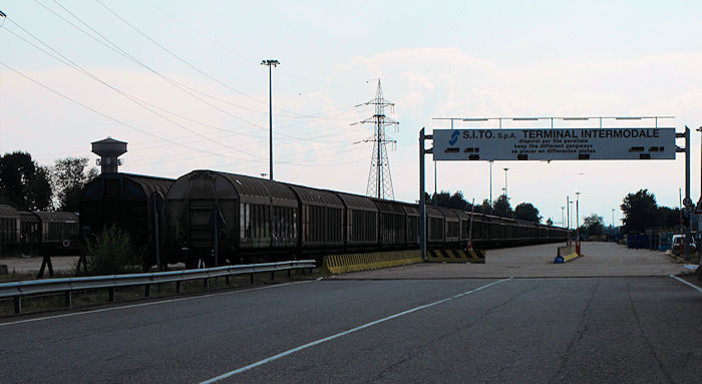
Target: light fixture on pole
[270,63]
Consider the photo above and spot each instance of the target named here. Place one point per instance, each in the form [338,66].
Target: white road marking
[344,333]
[698,289]
[149,303]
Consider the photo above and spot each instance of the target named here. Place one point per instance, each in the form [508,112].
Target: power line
[142,103]
[176,56]
[120,122]
[181,86]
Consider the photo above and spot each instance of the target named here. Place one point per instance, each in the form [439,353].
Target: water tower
[109,150]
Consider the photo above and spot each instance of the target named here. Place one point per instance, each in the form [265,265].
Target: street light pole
[491,184]
[436,193]
[506,195]
[270,63]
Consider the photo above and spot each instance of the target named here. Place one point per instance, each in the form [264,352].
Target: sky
[182,83]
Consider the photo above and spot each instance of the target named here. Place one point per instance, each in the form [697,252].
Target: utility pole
[270,63]
[379,179]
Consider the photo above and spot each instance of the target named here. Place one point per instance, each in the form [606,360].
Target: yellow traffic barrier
[338,264]
[565,254]
[456,256]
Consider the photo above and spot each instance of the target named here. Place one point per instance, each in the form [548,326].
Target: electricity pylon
[379,179]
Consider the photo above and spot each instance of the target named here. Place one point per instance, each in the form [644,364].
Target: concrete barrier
[565,254]
[338,264]
[455,256]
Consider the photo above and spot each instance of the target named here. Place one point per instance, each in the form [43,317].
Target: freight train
[224,218]
[42,232]
[229,218]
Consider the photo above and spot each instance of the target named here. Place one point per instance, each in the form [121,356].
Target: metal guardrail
[17,290]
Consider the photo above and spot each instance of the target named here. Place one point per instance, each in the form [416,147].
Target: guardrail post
[272,275]
[226,279]
[147,290]
[177,286]
[206,283]
[112,294]
[18,304]
[290,273]
[253,278]
[67,298]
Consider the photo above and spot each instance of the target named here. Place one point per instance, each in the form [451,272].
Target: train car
[452,230]
[245,216]
[392,224]
[412,231]
[436,228]
[58,231]
[131,202]
[321,220]
[361,226]
[9,228]
[30,230]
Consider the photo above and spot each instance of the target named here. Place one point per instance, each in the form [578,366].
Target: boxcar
[249,215]
[58,231]
[436,228]
[321,219]
[452,225]
[412,229]
[133,203]
[9,227]
[361,227]
[393,224]
[30,230]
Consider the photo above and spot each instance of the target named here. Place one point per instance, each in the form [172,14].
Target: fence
[20,289]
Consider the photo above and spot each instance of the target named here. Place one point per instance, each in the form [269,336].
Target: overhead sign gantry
[555,144]
[648,142]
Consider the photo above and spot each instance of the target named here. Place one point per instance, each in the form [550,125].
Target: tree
[485,207]
[501,207]
[593,225]
[668,218]
[526,211]
[457,201]
[442,199]
[68,177]
[640,211]
[24,184]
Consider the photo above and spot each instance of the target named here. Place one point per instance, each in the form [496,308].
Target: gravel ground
[22,265]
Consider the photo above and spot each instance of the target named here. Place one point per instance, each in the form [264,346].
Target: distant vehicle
[679,244]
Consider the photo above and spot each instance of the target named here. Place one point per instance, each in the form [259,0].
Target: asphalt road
[507,330]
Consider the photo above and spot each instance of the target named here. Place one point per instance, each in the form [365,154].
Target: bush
[112,253]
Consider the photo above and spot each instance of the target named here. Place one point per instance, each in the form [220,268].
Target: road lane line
[152,303]
[698,289]
[344,333]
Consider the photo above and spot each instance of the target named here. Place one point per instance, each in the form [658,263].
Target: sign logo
[454,137]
